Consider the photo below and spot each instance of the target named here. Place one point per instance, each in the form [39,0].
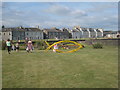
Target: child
[17,46]
[55,48]
[29,46]
[13,47]
[8,43]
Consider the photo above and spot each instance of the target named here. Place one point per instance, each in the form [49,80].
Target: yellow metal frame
[50,46]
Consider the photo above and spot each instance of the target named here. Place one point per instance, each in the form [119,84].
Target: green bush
[3,45]
[97,46]
[40,45]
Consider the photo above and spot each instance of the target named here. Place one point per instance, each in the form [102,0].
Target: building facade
[33,33]
[99,33]
[78,32]
[86,33]
[111,34]
[93,33]
[55,33]
[21,33]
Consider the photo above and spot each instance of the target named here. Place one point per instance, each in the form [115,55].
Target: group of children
[29,46]
[15,46]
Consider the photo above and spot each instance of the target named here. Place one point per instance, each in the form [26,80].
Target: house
[86,33]
[80,32]
[92,32]
[54,33]
[20,33]
[66,34]
[111,34]
[99,33]
[76,33]
[33,33]
[6,33]
[13,34]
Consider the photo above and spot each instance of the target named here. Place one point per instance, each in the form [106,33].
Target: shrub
[3,45]
[97,45]
[40,45]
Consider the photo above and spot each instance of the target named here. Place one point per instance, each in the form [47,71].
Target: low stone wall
[111,42]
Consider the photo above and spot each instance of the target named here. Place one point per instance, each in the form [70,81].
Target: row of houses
[20,33]
[56,33]
[111,34]
[78,32]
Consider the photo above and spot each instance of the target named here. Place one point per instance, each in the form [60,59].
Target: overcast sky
[61,14]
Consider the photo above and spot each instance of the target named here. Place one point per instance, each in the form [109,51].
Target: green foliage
[86,68]
[40,45]
[97,46]
[3,45]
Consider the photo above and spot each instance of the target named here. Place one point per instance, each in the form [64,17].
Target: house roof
[20,29]
[75,30]
[32,29]
[97,30]
[84,29]
[52,30]
[110,32]
[91,30]
[11,29]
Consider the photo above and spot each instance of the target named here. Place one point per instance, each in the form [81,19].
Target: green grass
[86,68]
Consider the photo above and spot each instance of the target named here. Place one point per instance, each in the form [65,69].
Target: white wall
[6,35]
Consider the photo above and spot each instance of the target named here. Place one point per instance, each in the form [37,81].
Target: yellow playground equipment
[65,41]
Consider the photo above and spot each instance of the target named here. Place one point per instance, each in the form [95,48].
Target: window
[18,38]
[0,33]
[51,33]
[4,33]
[26,33]
[9,34]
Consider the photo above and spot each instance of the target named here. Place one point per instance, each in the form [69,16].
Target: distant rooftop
[20,29]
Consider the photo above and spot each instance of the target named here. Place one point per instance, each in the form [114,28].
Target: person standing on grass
[8,43]
[29,46]
[17,46]
[13,46]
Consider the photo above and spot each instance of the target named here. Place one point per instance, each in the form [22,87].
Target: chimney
[3,26]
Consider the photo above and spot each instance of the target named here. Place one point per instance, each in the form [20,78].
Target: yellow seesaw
[50,46]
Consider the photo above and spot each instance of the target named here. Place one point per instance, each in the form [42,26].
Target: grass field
[86,68]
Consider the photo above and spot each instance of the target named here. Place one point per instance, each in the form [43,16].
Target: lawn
[86,68]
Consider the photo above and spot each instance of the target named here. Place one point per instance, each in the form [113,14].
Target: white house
[86,33]
[93,33]
[111,34]
[99,33]
[76,33]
